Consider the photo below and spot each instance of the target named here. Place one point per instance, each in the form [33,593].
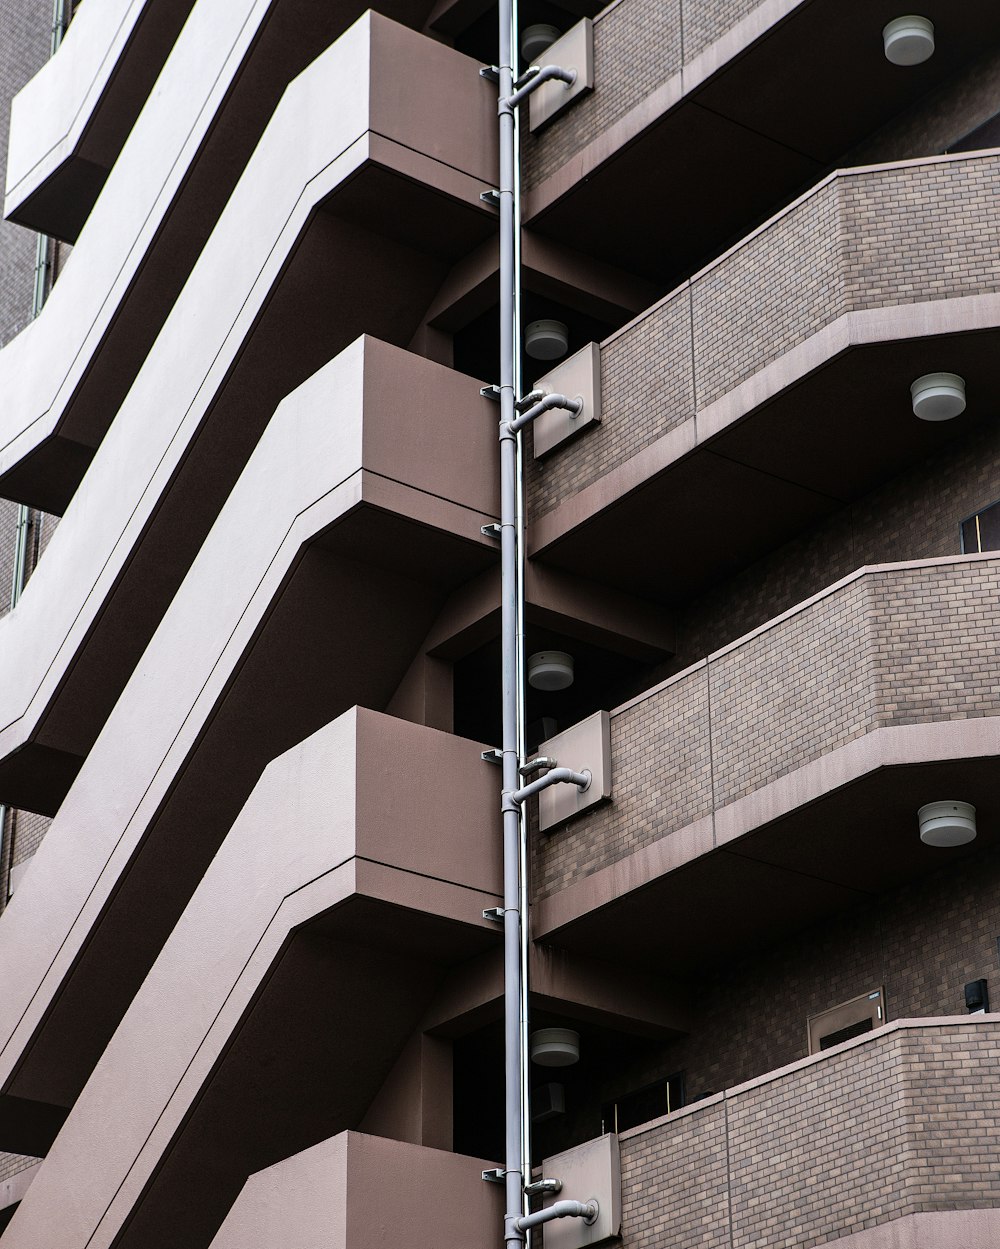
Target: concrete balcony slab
[673,156]
[290,615]
[777,380]
[66,375]
[334,908]
[883,1141]
[303,256]
[69,124]
[728,785]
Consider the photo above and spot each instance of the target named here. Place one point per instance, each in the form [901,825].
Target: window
[982,531]
[649,1102]
[849,1019]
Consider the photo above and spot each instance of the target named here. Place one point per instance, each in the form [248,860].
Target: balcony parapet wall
[889,1126]
[639,46]
[863,239]
[901,644]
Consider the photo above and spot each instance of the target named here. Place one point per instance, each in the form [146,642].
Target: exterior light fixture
[908,40]
[555,1047]
[938,396]
[546,340]
[535,40]
[947,823]
[550,670]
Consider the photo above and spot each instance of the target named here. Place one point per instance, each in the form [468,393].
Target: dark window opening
[642,1105]
[982,531]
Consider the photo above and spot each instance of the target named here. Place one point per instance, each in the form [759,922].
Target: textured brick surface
[865,239]
[674,1183]
[900,645]
[637,46]
[902,1123]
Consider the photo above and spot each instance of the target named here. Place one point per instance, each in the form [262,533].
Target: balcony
[343,894]
[767,772]
[678,150]
[71,121]
[776,382]
[295,270]
[886,1140]
[327,1195]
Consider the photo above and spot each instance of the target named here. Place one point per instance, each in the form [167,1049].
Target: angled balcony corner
[238,684]
[906,1159]
[704,152]
[70,122]
[296,263]
[805,402]
[333,1189]
[335,908]
[755,792]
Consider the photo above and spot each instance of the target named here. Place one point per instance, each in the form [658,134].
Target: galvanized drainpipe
[42,284]
[511,516]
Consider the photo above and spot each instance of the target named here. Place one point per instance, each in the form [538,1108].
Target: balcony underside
[340,899]
[743,128]
[303,255]
[826,438]
[686,907]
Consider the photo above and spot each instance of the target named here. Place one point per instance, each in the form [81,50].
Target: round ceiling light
[536,39]
[908,40]
[938,396]
[555,1047]
[550,670]
[947,823]
[546,340]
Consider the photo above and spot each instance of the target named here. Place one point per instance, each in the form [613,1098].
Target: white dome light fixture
[938,396]
[546,340]
[536,39]
[947,823]
[908,40]
[550,670]
[555,1047]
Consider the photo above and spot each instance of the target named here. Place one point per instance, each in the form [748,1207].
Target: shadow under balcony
[787,768]
[774,387]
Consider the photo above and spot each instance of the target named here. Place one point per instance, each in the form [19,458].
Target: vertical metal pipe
[509,625]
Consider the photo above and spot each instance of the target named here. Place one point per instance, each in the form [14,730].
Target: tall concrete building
[253,970]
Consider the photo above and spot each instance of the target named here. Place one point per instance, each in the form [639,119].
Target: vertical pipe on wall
[512,699]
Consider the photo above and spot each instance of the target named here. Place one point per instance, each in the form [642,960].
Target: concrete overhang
[326,1195]
[303,256]
[291,614]
[66,375]
[739,128]
[70,122]
[345,889]
[781,417]
[833,829]
[683,906]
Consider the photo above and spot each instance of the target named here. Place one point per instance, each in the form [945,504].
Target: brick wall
[898,1123]
[899,645]
[864,239]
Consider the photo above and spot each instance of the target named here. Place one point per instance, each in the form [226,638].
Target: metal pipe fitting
[573,406]
[558,776]
[548,73]
[586,1210]
[536,765]
[537,1187]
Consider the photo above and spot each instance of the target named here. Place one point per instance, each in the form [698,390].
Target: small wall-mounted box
[586,745]
[591,1170]
[574,50]
[578,377]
